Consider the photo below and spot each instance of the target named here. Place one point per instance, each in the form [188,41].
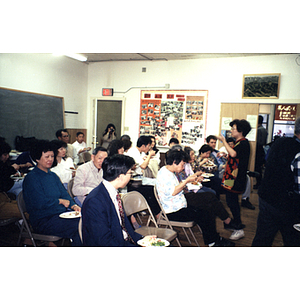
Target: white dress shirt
[113,195]
[63,170]
[76,148]
[138,158]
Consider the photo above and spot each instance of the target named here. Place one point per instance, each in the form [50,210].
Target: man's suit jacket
[100,222]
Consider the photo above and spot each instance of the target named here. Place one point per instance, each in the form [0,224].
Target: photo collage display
[174,114]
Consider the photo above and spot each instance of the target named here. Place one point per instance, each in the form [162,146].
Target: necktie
[123,218]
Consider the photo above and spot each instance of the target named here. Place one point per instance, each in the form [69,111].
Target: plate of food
[205,180]
[16,178]
[194,185]
[70,215]
[207,175]
[153,241]
[297,226]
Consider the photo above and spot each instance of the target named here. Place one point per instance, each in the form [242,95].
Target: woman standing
[108,135]
[235,176]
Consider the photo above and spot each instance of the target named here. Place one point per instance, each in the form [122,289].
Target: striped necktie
[121,210]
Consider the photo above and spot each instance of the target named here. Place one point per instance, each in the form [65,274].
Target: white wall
[48,74]
[79,83]
[222,78]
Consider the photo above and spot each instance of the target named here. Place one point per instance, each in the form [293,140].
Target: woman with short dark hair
[181,205]
[46,198]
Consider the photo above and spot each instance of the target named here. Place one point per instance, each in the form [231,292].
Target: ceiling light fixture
[73,55]
[76,56]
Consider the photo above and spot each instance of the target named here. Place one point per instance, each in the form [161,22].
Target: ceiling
[103,57]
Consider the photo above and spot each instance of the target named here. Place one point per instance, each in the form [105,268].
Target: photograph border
[265,83]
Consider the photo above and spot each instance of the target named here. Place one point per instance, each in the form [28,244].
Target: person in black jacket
[7,184]
[279,193]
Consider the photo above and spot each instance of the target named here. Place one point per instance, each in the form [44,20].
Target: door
[107,111]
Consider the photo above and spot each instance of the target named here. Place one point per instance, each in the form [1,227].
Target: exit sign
[107,92]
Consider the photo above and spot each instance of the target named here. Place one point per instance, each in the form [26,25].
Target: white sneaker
[237,234]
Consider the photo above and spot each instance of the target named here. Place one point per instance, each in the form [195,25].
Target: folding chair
[135,202]
[86,156]
[70,186]
[69,189]
[4,222]
[27,232]
[164,220]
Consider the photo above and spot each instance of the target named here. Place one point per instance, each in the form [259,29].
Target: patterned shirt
[166,182]
[235,175]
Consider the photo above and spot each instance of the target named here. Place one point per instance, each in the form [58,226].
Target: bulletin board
[180,114]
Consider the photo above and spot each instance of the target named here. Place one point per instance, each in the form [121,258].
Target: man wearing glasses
[104,222]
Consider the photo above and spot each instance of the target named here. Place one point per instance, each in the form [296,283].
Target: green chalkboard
[29,115]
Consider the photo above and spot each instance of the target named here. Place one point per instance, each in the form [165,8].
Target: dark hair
[125,137]
[188,151]
[40,147]
[114,146]
[115,165]
[106,129]
[176,147]
[143,140]
[79,132]
[127,144]
[154,148]
[57,144]
[230,140]
[205,148]
[97,149]
[260,119]
[59,132]
[173,140]
[211,137]
[4,147]
[242,126]
[176,156]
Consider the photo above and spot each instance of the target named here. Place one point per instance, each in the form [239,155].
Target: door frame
[95,104]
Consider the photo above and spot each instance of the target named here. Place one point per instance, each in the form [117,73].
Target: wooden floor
[9,234]
[249,218]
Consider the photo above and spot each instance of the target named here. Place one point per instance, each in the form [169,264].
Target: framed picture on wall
[261,86]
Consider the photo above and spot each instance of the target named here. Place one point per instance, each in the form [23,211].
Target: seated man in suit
[89,175]
[104,222]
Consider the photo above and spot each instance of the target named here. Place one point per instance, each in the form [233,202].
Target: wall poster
[178,113]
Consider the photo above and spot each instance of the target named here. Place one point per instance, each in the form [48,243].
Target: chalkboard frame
[29,114]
